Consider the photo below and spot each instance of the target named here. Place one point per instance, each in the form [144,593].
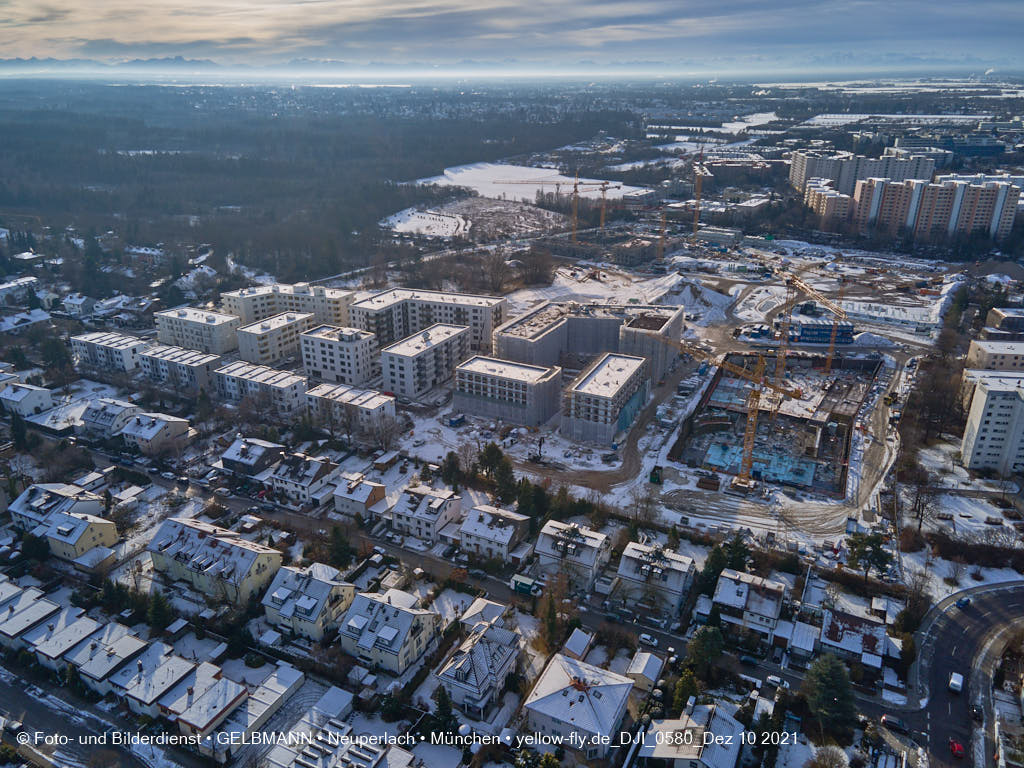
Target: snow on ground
[427,222]
[596,283]
[759,302]
[451,604]
[942,460]
[437,755]
[621,662]
[492,180]
[938,569]
[794,755]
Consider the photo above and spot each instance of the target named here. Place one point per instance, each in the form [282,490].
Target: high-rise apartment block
[342,355]
[846,169]
[425,360]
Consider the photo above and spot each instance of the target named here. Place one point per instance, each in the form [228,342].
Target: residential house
[705,736]
[156,434]
[301,479]
[422,511]
[655,578]
[247,457]
[26,399]
[476,673]
[573,697]
[309,601]
[854,638]
[105,417]
[484,611]
[38,502]
[491,533]
[574,550]
[645,670]
[213,560]
[355,496]
[749,604]
[72,534]
[578,644]
[388,631]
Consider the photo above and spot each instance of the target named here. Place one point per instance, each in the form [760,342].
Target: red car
[956,748]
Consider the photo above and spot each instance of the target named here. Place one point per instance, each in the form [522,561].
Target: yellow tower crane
[759,380]
[795,285]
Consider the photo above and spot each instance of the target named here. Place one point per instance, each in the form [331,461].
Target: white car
[646,639]
[777,681]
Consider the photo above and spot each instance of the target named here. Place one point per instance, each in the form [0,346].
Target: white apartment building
[574,550]
[492,533]
[309,601]
[605,398]
[748,604]
[104,351]
[202,329]
[994,436]
[401,312]
[422,511]
[338,354]
[178,368]
[518,393]
[995,355]
[388,630]
[425,360]
[349,411]
[845,168]
[213,560]
[274,338]
[283,392]
[654,578]
[328,305]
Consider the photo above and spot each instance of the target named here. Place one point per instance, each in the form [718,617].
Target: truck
[524,585]
[956,682]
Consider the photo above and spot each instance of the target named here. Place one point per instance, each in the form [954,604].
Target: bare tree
[386,431]
[924,497]
[495,270]
[956,570]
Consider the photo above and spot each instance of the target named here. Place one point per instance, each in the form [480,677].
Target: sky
[568,36]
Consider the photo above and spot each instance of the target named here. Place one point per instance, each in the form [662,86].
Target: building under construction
[801,442]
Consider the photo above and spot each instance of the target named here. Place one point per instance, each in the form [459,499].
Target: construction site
[800,439]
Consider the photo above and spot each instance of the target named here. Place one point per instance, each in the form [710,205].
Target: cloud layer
[697,34]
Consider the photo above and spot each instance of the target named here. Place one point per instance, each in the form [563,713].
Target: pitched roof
[581,695]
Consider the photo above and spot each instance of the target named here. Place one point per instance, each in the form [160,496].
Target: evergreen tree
[19,432]
[524,498]
[505,480]
[829,696]
[737,553]
[704,649]
[712,569]
[715,616]
[490,458]
[160,613]
[443,714]
[686,686]
[340,553]
[450,472]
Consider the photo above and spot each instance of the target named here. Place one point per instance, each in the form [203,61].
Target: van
[894,724]
[956,682]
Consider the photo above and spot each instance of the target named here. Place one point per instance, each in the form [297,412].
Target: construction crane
[603,187]
[795,284]
[759,380]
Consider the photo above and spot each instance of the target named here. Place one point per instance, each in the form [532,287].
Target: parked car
[222,492]
[748,661]
[168,476]
[777,681]
[894,724]
[956,749]
[646,639]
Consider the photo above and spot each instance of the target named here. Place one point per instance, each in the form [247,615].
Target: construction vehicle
[757,377]
[603,187]
[655,476]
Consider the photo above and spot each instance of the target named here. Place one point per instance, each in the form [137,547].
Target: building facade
[342,355]
[994,435]
[517,393]
[349,411]
[846,169]
[211,332]
[573,550]
[250,305]
[280,392]
[274,338]
[179,369]
[654,578]
[417,364]
[605,398]
[104,351]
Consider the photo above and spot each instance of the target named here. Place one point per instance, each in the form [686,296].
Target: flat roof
[275,322]
[397,295]
[110,340]
[262,374]
[194,315]
[337,333]
[179,355]
[999,347]
[506,369]
[608,375]
[426,339]
[343,393]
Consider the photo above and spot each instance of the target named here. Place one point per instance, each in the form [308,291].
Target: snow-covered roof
[853,634]
[16,392]
[656,558]
[505,369]
[154,672]
[22,609]
[355,487]
[54,639]
[179,355]
[106,411]
[482,611]
[570,540]
[578,643]
[719,749]
[483,659]
[424,502]
[607,375]
[302,469]
[194,315]
[249,450]
[205,548]
[646,665]
[39,501]
[102,652]
[394,296]
[338,333]
[110,340]
[580,695]
[223,696]
[68,527]
[303,592]
[23,319]
[276,322]
[199,680]
[261,374]
[381,620]
[425,340]
[493,524]
[750,593]
[369,399]
[146,426]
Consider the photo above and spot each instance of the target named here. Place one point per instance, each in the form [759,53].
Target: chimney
[139,665]
[690,702]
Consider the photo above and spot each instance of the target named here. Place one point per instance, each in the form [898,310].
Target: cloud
[446,31]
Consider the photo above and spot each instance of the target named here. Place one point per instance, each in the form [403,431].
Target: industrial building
[339,354]
[425,360]
[605,398]
[517,393]
[572,334]
[401,312]
[275,338]
[282,392]
[179,369]
[258,302]
[212,332]
[105,351]
[819,331]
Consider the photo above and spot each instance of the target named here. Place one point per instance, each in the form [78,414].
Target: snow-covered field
[495,180]
[427,222]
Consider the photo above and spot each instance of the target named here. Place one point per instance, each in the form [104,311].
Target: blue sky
[657,36]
